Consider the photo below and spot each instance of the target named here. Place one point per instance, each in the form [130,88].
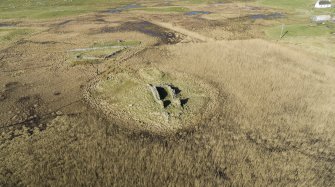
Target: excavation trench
[153,101]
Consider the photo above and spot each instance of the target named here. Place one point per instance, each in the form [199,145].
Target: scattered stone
[31,117]
[166,95]
[156,95]
[14,117]
[59,113]
[56,93]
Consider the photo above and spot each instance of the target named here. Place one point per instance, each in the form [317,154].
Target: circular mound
[153,101]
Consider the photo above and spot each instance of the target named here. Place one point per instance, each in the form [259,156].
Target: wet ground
[165,36]
[193,13]
[6,25]
[276,15]
[123,8]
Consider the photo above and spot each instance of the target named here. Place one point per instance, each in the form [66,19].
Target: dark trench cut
[8,24]
[175,89]
[166,36]
[162,92]
[166,103]
[183,102]
[5,25]
[167,95]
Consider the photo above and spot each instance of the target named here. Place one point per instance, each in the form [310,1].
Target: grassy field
[9,34]
[38,9]
[273,120]
[299,28]
[273,127]
[279,99]
[290,4]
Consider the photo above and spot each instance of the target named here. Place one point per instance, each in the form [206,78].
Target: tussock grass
[284,100]
[274,127]
[10,34]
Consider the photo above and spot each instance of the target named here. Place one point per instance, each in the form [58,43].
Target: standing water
[123,8]
[192,13]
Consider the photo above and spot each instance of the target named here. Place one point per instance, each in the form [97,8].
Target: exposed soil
[166,36]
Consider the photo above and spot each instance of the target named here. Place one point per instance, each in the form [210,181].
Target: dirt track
[184,31]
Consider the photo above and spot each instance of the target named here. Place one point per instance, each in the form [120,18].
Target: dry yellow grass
[282,101]
[265,78]
[274,128]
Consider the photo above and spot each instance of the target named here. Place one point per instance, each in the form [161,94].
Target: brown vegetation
[273,126]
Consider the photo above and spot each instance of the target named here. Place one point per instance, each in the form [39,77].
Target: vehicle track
[184,31]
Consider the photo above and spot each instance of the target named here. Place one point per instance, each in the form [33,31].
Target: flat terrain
[257,76]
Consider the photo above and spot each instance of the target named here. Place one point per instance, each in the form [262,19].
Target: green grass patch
[46,9]
[85,62]
[59,13]
[116,43]
[101,53]
[10,34]
[289,4]
[45,12]
[96,54]
[54,3]
[301,30]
